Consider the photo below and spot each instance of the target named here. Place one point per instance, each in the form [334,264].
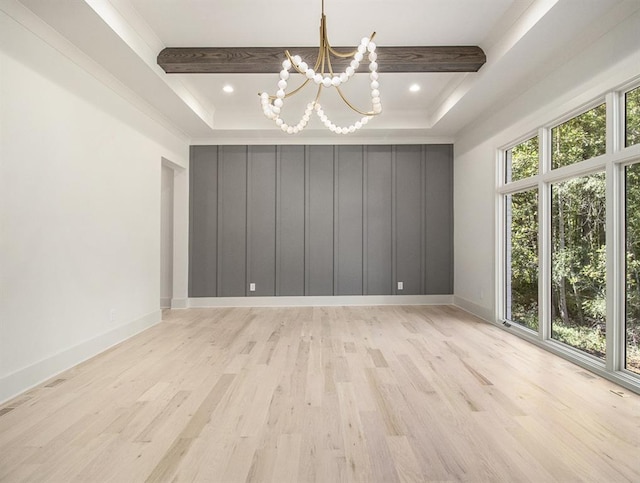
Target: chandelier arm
[328,56]
[315,101]
[320,50]
[321,54]
[343,55]
[318,60]
[324,56]
[353,108]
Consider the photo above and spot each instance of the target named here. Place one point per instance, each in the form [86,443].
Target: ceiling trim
[265,60]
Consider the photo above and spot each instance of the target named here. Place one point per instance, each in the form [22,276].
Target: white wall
[604,65]
[473,217]
[80,179]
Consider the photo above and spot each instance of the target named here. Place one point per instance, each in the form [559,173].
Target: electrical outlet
[112,315]
[400,285]
[252,287]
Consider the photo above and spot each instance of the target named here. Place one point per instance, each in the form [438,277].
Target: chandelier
[324,77]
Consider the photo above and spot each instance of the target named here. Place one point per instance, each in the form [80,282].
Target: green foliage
[525,315]
[593,341]
[585,338]
[582,137]
[523,208]
[632,242]
[632,117]
[579,259]
[522,160]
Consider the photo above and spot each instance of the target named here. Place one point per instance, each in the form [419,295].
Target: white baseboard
[179,303]
[165,303]
[30,376]
[484,313]
[319,301]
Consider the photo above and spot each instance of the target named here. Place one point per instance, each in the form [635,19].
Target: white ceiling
[231,23]
[523,41]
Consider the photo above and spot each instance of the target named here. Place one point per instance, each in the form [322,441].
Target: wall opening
[166,236]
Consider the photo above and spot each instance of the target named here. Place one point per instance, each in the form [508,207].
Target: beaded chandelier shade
[322,75]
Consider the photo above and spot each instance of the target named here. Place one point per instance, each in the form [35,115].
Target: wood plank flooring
[322,394]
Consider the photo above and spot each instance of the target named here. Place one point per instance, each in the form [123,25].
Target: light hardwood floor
[325,394]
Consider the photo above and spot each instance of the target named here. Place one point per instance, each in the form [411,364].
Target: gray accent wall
[232,221]
[377,243]
[409,243]
[203,221]
[261,220]
[321,220]
[290,216]
[348,216]
[319,237]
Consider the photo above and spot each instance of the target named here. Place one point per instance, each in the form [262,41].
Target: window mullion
[614,123]
[615,239]
[544,237]
[615,313]
[501,266]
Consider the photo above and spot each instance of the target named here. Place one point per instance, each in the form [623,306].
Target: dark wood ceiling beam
[260,60]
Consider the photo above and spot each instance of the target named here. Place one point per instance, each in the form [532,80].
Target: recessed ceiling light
[228,89]
[414,88]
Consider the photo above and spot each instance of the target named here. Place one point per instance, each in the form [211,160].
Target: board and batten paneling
[290,226]
[319,166]
[377,211]
[321,220]
[438,214]
[232,221]
[261,220]
[203,221]
[409,244]
[348,205]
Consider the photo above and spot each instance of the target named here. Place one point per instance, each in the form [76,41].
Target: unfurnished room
[319,241]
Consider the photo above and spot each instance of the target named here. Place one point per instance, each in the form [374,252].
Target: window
[580,138]
[632,243]
[522,160]
[522,255]
[521,237]
[578,263]
[570,220]
[632,117]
